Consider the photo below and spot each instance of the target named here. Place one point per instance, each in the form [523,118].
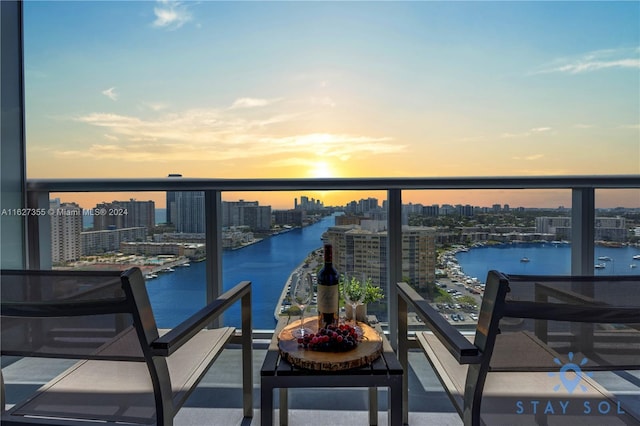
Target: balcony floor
[218,398]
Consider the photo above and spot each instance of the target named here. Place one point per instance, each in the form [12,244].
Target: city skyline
[348,205]
[335,89]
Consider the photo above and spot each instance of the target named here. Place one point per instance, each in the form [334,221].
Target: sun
[321,170]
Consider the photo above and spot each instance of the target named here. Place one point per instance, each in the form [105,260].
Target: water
[544,259]
[267,264]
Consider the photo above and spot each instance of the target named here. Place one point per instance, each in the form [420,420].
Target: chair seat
[121,391]
[510,396]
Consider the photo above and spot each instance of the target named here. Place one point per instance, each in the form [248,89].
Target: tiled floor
[217,400]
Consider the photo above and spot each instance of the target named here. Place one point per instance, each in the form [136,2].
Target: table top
[368,349]
[277,365]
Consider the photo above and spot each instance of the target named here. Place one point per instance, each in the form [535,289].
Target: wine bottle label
[327,298]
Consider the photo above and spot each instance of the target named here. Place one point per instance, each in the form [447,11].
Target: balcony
[217,401]
[26,241]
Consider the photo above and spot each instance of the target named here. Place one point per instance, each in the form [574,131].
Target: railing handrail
[377,183]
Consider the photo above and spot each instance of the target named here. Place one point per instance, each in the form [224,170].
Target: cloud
[532,157]
[508,135]
[583,126]
[219,135]
[252,102]
[171,14]
[323,101]
[472,139]
[624,58]
[530,132]
[111,93]
[156,106]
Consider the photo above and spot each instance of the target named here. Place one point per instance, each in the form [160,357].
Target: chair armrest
[459,346]
[178,336]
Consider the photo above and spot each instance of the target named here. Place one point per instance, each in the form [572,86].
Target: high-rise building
[355,248]
[307,204]
[432,210]
[125,214]
[246,213]
[171,201]
[189,212]
[606,228]
[290,217]
[66,226]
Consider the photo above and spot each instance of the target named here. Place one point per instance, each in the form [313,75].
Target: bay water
[544,259]
[267,264]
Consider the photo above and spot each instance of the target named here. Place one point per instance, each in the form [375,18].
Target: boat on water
[150,276]
[525,259]
[633,265]
[607,258]
[636,257]
[600,266]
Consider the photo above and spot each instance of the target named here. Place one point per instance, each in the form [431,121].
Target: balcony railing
[582,210]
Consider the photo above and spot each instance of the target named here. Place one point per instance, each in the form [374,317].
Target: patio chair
[126,370]
[540,349]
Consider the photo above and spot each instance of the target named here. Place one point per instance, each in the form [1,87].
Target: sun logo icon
[570,383]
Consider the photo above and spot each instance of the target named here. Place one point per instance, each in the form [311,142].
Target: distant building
[611,229]
[289,217]
[125,214]
[171,201]
[153,249]
[558,226]
[98,242]
[606,228]
[363,206]
[188,215]
[465,210]
[366,251]
[349,219]
[431,211]
[66,226]
[308,204]
[446,210]
[246,213]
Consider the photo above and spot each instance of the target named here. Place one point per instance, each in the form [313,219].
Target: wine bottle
[328,291]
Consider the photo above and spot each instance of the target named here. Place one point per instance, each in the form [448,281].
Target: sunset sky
[334,89]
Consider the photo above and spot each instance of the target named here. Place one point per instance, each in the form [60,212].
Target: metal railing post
[39,231]
[213,240]
[394,259]
[582,231]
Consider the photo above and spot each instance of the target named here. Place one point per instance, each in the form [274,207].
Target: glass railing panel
[617,232]
[452,239]
[116,231]
[261,242]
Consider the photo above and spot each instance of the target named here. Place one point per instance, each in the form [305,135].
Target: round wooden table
[367,351]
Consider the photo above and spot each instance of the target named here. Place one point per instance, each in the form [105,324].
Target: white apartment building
[66,226]
[606,228]
[153,248]
[98,242]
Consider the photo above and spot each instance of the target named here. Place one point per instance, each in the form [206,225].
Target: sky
[301,89]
